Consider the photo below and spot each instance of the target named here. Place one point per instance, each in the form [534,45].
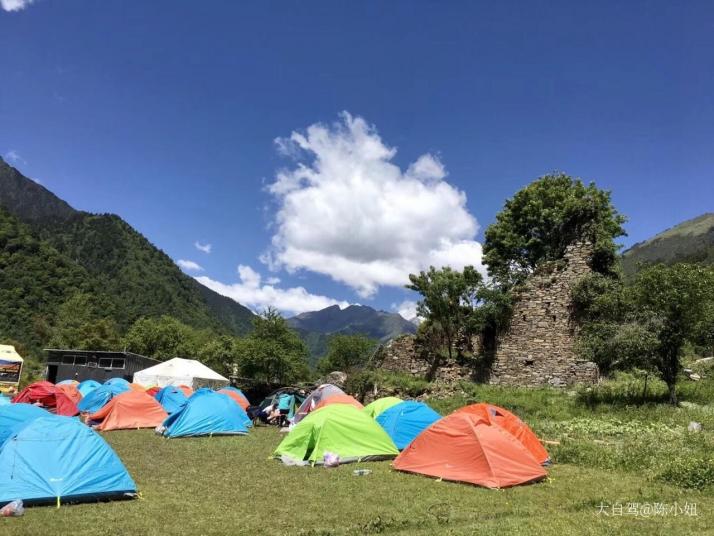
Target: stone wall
[403,355]
[538,348]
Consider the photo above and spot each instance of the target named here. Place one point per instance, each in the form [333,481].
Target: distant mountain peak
[29,200]
[316,326]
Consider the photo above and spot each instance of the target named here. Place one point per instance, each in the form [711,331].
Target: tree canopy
[542,219]
[648,323]
[346,353]
[273,352]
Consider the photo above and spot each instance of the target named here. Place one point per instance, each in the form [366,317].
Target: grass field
[608,454]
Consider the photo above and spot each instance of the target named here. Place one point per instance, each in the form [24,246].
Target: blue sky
[167,113]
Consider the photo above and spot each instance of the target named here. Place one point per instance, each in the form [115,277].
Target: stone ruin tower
[538,348]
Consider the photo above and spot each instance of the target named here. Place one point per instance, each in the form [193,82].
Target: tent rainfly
[178,371]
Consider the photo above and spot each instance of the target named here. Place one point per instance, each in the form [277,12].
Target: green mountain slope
[35,279]
[690,241]
[113,258]
[316,327]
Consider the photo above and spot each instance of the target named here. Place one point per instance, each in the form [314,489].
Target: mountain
[690,241]
[63,251]
[316,327]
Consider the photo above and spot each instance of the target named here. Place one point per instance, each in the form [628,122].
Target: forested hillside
[690,241]
[50,251]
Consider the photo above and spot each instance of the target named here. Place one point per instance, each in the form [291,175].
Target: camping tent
[320,393]
[132,409]
[4,400]
[207,413]
[341,429]
[178,371]
[117,381]
[376,407]
[13,415]
[467,448]
[171,398]
[406,420]
[54,459]
[97,399]
[237,396]
[87,386]
[339,399]
[71,391]
[512,424]
[296,397]
[48,396]
[67,382]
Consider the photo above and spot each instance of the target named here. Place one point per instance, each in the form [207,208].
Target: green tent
[338,428]
[373,409]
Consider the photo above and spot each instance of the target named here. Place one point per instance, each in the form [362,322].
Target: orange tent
[132,409]
[512,424]
[70,389]
[186,390]
[137,387]
[466,448]
[239,399]
[338,399]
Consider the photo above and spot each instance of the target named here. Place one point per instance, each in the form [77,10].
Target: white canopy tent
[178,371]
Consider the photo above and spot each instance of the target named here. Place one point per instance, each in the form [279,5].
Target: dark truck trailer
[95,365]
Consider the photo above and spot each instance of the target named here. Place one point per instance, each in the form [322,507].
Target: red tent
[512,424]
[70,389]
[48,396]
[151,391]
[466,448]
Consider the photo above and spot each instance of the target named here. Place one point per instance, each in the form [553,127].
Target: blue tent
[98,398]
[406,420]
[87,386]
[207,413]
[4,401]
[17,414]
[59,459]
[117,381]
[171,398]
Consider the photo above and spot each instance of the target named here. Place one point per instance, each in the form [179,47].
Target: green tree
[347,353]
[676,299]
[273,352]
[648,323]
[542,219]
[79,326]
[221,353]
[165,337]
[448,300]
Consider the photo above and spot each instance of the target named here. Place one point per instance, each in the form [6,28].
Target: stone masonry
[403,355]
[538,349]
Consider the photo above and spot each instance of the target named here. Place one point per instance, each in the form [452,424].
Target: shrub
[693,473]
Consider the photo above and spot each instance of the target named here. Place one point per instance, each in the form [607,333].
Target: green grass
[608,453]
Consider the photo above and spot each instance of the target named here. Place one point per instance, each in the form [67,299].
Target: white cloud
[346,211]
[206,248]
[189,266]
[407,309]
[252,292]
[15,5]
[13,156]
